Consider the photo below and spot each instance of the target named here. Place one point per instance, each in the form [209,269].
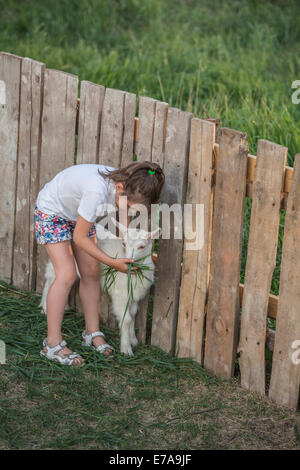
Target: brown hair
[140,185]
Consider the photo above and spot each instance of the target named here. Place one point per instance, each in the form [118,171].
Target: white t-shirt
[78,190]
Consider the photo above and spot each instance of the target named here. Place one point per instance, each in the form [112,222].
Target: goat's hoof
[134,342]
[127,351]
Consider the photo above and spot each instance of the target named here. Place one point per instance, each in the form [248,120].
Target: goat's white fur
[132,243]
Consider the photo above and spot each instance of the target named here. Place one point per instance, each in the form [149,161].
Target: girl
[64,216]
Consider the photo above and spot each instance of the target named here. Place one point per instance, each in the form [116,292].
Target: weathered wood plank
[223,309]
[24,260]
[128,133]
[261,261]
[111,136]
[157,156]
[141,319]
[146,128]
[285,376]
[159,133]
[166,293]
[152,117]
[58,137]
[111,145]
[89,122]
[194,282]
[10,71]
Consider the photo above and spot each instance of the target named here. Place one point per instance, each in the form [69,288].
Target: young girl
[64,216]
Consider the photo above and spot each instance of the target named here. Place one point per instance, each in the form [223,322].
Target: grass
[232,60]
[148,401]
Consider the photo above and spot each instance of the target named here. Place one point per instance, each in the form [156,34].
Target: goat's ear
[120,226]
[154,234]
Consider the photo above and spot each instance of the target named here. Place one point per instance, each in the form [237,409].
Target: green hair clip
[152,172]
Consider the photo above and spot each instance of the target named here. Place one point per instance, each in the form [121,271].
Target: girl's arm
[80,237]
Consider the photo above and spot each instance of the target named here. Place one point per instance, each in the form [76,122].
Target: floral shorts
[54,229]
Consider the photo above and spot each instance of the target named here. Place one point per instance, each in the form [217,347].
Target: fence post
[29,152]
[194,282]
[261,261]
[58,138]
[285,376]
[223,308]
[150,146]
[89,122]
[10,73]
[166,293]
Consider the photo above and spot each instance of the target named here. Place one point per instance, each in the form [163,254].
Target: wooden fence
[197,299]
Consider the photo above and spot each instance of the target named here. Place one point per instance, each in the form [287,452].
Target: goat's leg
[133,310]
[49,279]
[125,346]
[118,306]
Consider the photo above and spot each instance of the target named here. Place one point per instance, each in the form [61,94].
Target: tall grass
[234,60]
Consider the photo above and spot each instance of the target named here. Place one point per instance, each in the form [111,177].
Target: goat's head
[136,243]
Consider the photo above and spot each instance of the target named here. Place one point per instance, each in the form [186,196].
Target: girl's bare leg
[89,291]
[62,259]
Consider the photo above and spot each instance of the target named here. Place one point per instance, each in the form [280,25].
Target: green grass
[234,60]
[148,401]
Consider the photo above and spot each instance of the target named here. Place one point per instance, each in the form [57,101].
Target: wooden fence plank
[111,136]
[146,128]
[58,137]
[152,119]
[89,122]
[223,308]
[10,71]
[111,144]
[261,261]
[166,293]
[159,133]
[128,133]
[147,108]
[285,376]
[194,282]
[29,147]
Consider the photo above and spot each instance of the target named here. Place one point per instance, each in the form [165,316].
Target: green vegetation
[148,401]
[233,60]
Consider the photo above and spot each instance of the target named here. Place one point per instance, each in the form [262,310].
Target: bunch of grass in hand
[110,273]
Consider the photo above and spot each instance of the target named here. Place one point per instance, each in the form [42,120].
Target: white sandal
[52,353]
[101,348]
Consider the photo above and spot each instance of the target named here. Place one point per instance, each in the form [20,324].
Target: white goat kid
[133,243]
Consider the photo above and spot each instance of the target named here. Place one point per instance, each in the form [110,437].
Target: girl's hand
[121,264]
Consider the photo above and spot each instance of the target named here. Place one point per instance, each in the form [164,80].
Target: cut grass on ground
[149,401]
